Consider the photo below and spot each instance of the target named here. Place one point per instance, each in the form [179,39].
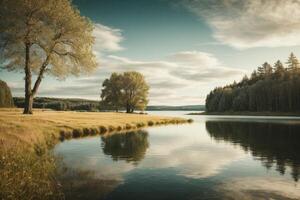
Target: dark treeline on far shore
[270,88]
[75,104]
[60,104]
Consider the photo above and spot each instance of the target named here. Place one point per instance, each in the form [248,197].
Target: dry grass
[27,174]
[45,123]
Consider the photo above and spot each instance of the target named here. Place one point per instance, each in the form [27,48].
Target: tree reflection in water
[130,146]
[273,144]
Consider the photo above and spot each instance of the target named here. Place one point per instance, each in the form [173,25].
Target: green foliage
[128,90]
[273,89]
[6,99]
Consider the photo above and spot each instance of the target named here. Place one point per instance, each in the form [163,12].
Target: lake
[216,157]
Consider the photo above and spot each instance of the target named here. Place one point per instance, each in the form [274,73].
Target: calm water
[216,157]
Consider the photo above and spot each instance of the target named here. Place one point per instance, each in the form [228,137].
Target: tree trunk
[28,94]
[128,108]
[28,104]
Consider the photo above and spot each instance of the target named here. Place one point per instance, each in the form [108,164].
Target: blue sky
[184,48]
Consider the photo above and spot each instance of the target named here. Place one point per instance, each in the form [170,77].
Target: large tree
[44,36]
[128,90]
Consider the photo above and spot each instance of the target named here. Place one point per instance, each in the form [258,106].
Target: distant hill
[89,105]
[187,108]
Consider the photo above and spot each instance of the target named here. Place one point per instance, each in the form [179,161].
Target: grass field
[14,126]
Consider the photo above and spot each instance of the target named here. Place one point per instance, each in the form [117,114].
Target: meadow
[46,125]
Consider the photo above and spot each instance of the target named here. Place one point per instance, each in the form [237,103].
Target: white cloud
[251,23]
[259,188]
[180,78]
[107,39]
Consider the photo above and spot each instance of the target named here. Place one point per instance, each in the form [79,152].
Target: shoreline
[46,125]
[274,114]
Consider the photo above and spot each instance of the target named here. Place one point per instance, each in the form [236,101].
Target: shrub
[128,126]
[119,128]
[102,129]
[86,132]
[77,133]
[140,125]
[94,131]
[150,123]
[111,128]
[6,99]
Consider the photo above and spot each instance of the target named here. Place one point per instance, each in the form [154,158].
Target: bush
[140,125]
[77,133]
[111,128]
[119,128]
[150,123]
[94,131]
[102,129]
[128,126]
[6,99]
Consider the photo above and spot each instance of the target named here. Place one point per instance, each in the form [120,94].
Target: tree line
[128,91]
[60,104]
[269,88]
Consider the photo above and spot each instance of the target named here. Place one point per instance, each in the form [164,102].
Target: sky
[184,48]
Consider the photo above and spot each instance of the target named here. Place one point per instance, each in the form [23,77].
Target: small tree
[44,36]
[128,90]
[293,63]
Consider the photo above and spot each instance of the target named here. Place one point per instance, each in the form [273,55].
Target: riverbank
[249,113]
[45,124]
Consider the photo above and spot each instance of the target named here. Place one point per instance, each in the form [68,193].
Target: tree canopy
[44,36]
[270,88]
[128,90]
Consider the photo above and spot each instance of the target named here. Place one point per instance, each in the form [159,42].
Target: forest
[269,88]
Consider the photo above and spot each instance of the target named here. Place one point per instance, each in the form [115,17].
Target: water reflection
[258,188]
[78,184]
[130,146]
[272,143]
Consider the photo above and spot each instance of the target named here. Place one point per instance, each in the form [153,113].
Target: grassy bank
[28,168]
[249,113]
[45,124]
